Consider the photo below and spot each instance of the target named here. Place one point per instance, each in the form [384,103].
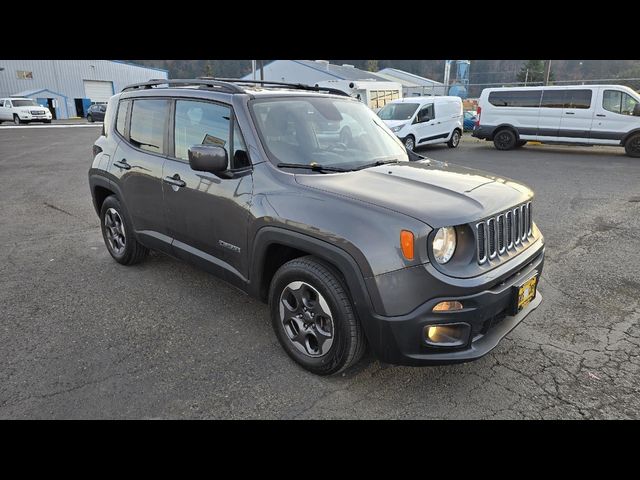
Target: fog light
[448,335]
[447,306]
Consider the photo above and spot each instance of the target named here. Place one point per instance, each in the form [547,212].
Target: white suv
[23,110]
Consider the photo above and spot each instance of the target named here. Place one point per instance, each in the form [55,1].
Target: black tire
[132,252]
[348,340]
[505,139]
[89,118]
[410,142]
[16,120]
[454,141]
[520,143]
[632,145]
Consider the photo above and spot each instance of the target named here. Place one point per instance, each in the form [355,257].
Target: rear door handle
[175,181]
[569,113]
[600,115]
[122,164]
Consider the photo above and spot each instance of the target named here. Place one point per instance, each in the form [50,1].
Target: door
[98,91]
[5,110]
[137,166]
[613,116]
[207,215]
[425,127]
[550,114]
[577,115]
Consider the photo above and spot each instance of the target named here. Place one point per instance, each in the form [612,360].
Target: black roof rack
[297,86]
[228,85]
[202,83]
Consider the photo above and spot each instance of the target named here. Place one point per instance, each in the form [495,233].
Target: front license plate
[526,292]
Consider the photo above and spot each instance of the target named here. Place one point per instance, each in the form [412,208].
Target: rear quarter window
[515,98]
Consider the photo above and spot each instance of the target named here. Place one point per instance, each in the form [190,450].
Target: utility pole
[262,70]
[253,69]
[547,71]
[526,77]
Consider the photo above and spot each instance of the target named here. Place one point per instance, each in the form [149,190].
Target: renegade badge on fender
[304,199]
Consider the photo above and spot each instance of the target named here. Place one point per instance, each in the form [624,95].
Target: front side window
[618,102]
[357,137]
[398,111]
[148,120]
[426,113]
[200,123]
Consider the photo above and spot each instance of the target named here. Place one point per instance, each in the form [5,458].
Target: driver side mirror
[208,158]
[636,110]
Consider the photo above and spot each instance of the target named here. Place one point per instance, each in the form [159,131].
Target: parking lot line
[51,126]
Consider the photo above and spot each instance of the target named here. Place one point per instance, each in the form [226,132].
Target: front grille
[37,112]
[499,235]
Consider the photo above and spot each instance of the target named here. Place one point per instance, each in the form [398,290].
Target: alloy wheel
[409,143]
[114,231]
[307,319]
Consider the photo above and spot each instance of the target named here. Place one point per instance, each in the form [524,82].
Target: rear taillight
[478,112]
[96,150]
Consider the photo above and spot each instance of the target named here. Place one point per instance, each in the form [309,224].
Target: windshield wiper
[377,163]
[311,166]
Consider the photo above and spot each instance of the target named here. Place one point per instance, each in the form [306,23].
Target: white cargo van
[579,115]
[421,121]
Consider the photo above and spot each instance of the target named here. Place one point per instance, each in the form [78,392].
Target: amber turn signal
[447,306]
[406,244]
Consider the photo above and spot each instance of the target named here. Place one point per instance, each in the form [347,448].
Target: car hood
[436,193]
[395,123]
[32,107]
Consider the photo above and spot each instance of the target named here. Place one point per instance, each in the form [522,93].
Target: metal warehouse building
[69,87]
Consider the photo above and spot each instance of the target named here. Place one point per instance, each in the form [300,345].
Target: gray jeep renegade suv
[303,198]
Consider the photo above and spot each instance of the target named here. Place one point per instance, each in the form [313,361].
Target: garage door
[98,91]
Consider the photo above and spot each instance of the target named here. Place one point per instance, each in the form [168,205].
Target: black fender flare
[339,258]
[96,180]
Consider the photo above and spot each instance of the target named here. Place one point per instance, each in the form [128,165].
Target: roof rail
[202,83]
[297,86]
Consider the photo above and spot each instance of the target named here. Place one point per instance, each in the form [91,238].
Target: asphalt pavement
[84,337]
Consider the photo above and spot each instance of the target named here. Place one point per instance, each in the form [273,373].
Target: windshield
[326,131]
[398,111]
[24,103]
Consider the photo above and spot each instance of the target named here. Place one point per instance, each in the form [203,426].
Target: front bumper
[401,339]
[34,118]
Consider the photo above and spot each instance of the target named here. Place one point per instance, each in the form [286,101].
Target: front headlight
[397,128]
[444,244]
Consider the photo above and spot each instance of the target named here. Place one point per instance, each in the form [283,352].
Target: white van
[582,115]
[23,110]
[421,121]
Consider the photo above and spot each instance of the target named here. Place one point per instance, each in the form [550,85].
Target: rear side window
[515,98]
[148,120]
[121,118]
[553,99]
[200,123]
[578,99]
[618,102]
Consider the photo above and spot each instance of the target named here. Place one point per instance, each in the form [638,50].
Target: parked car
[96,112]
[584,115]
[351,244]
[23,110]
[470,119]
[419,121]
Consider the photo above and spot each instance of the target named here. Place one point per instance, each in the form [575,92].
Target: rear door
[577,115]
[137,166]
[613,116]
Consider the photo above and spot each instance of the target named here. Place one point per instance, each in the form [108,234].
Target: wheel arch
[628,135]
[297,244]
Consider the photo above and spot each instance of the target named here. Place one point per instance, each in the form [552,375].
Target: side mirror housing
[636,110]
[208,158]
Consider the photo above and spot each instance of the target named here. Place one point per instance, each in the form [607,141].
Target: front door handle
[175,181]
[122,164]
[600,115]
[569,113]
